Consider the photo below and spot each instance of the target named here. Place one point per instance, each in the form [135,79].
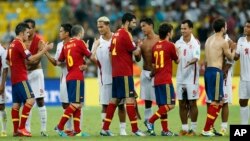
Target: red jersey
[121,50]
[34,44]
[17,53]
[73,52]
[163,53]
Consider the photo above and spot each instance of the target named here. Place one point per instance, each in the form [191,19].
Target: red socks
[76,117]
[132,116]
[162,110]
[25,114]
[109,116]
[164,122]
[212,113]
[15,119]
[67,113]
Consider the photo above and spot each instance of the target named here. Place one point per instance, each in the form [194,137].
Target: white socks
[43,117]
[224,125]
[244,115]
[3,120]
[193,126]
[147,113]
[184,127]
[123,129]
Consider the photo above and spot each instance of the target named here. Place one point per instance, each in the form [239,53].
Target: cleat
[215,132]
[81,134]
[183,133]
[139,133]
[106,133]
[223,132]
[24,132]
[69,132]
[44,134]
[168,133]
[3,134]
[60,132]
[16,134]
[123,133]
[191,133]
[150,128]
[207,133]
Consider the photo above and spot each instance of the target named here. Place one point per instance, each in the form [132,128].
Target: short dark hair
[147,20]
[189,22]
[76,29]
[21,27]
[218,24]
[127,17]
[67,28]
[31,21]
[164,29]
[248,21]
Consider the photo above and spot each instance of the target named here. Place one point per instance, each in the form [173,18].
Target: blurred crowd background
[49,14]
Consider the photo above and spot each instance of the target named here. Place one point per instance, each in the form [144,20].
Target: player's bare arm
[37,56]
[4,77]
[227,51]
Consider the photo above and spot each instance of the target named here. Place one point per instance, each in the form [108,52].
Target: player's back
[163,55]
[74,51]
[16,57]
[214,51]
[121,50]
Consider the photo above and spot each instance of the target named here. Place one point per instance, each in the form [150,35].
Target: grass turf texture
[92,125]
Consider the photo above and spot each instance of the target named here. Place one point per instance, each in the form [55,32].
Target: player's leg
[224,118]
[122,118]
[43,115]
[129,95]
[183,110]
[165,99]
[192,97]
[244,95]
[27,97]
[3,116]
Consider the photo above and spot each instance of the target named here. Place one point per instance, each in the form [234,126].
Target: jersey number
[10,55]
[159,55]
[114,49]
[184,52]
[70,59]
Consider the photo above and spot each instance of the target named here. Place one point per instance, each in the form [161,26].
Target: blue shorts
[21,91]
[123,87]
[75,90]
[164,94]
[214,83]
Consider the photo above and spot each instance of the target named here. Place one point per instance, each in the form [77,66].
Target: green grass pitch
[92,125]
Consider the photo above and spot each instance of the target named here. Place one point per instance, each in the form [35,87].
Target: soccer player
[73,52]
[122,48]
[21,90]
[147,90]
[36,77]
[243,53]
[216,47]
[101,50]
[64,35]
[227,88]
[187,78]
[163,53]
[3,77]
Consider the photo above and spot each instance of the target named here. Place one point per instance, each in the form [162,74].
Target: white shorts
[192,91]
[63,90]
[147,91]
[105,93]
[227,93]
[244,90]
[36,81]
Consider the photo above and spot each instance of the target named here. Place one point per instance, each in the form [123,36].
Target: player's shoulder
[241,39]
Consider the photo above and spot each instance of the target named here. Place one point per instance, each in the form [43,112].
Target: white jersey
[188,51]
[3,54]
[104,64]
[57,55]
[243,49]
